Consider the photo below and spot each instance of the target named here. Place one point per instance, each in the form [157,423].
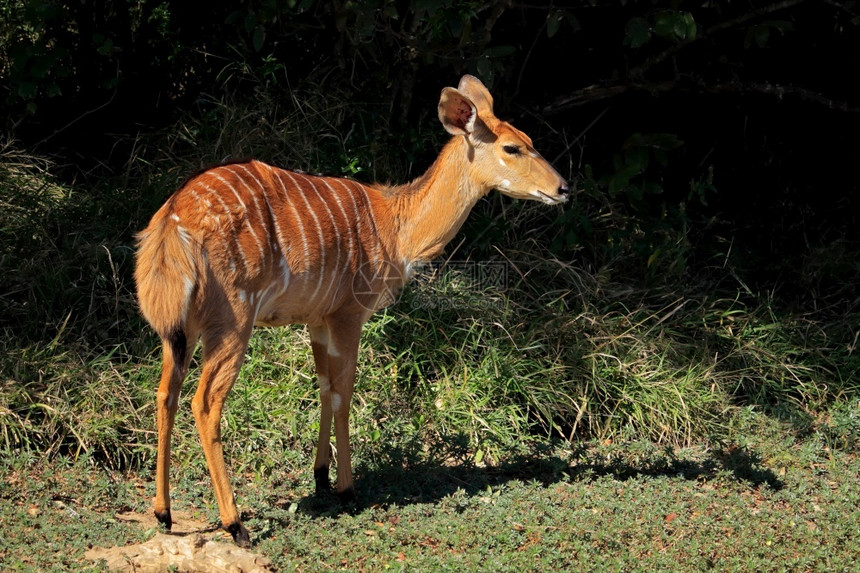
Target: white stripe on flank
[248,219]
[214,193]
[379,258]
[279,237]
[360,220]
[285,275]
[206,203]
[228,212]
[354,231]
[349,232]
[289,201]
[320,236]
[243,213]
[232,189]
[261,300]
[284,269]
[259,303]
[334,274]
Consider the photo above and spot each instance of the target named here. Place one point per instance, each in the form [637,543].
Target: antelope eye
[511,149]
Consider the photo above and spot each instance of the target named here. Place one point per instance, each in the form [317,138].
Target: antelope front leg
[319,343]
[344,334]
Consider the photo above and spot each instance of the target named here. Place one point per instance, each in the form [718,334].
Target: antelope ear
[476,91]
[457,112]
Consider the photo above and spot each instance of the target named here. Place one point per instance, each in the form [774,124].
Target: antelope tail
[166,275]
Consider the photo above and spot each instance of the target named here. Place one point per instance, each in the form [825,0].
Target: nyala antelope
[249,244]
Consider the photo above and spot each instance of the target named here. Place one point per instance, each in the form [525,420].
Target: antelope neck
[430,210]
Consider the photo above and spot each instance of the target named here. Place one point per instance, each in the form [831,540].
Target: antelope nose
[563,189]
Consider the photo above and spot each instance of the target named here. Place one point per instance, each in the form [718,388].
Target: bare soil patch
[190,546]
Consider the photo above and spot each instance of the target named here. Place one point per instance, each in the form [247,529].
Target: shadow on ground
[401,477]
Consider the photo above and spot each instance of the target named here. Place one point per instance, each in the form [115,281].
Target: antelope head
[501,156]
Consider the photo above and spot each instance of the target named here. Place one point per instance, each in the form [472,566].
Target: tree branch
[596,93]
[636,76]
[639,71]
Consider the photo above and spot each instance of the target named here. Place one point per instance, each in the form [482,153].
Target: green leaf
[258,38]
[620,181]
[553,23]
[635,193]
[499,51]
[106,47]
[637,33]
[690,33]
[589,184]
[652,188]
[675,26]
[27,90]
[762,34]
[782,25]
[665,141]
[636,159]
[250,21]
[572,21]
[679,26]
[485,70]
[664,24]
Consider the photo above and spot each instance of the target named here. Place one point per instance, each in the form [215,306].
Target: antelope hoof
[240,534]
[164,518]
[323,486]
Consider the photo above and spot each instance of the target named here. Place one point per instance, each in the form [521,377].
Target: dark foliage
[713,141]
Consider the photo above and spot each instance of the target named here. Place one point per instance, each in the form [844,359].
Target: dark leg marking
[239,533]
[178,345]
[347,496]
[164,518]
[323,486]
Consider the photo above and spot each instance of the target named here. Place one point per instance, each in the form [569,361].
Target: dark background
[712,141]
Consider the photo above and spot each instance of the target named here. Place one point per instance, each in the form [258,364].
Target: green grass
[767,501]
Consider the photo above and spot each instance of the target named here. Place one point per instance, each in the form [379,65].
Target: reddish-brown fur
[249,244]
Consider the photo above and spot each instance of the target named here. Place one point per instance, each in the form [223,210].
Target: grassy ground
[765,501]
[462,454]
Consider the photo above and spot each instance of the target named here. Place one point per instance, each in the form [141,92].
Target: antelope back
[285,245]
